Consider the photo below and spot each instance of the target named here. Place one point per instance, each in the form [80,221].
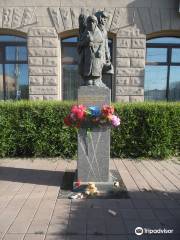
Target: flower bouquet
[93,116]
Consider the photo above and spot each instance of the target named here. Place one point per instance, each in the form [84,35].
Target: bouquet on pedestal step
[93,116]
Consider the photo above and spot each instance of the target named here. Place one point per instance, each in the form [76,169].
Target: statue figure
[82,24]
[102,17]
[92,51]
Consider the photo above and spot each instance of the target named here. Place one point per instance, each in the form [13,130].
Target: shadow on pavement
[33,176]
[157,213]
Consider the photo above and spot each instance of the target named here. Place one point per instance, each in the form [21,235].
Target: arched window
[162,73]
[70,76]
[13,68]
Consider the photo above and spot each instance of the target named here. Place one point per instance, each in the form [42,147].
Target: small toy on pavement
[91,189]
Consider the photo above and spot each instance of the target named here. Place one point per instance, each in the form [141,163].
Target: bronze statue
[102,17]
[93,49]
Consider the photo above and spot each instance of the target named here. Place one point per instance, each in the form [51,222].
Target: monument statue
[93,49]
[93,115]
[94,139]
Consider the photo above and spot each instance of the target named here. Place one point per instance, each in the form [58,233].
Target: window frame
[66,44]
[3,61]
[69,44]
[168,63]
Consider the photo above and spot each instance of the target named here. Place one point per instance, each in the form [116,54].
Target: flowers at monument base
[115,121]
[67,121]
[107,110]
[81,115]
[71,122]
[78,112]
[94,111]
[78,183]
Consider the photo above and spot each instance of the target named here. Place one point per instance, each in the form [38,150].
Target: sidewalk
[30,209]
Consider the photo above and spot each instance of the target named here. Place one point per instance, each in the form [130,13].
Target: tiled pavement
[30,209]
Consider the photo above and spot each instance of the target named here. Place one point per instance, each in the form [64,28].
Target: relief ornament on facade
[14,18]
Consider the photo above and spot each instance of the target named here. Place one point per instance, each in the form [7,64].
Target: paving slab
[146,214]
[115,225]
[82,237]
[125,204]
[96,237]
[56,237]
[76,226]
[131,214]
[140,203]
[57,229]
[156,203]
[34,237]
[119,237]
[96,227]
[13,237]
[27,212]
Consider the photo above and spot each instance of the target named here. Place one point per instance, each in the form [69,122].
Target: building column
[130,64]
[43,51]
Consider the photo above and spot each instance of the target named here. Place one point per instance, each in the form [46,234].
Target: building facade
[38,38]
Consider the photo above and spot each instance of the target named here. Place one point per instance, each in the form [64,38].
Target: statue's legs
[94,81]
[98,82]
[88,81]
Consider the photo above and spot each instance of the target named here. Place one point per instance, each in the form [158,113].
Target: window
[162,81]
[71,79]
[13,68]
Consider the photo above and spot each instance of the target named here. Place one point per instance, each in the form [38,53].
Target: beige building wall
[130,23]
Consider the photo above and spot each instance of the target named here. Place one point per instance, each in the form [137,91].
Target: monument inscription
[88,96]
[99,100]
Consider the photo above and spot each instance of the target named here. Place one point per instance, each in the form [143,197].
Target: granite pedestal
[94,144]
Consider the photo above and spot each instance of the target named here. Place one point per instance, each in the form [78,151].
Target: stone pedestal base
[103,187]
[93,155]
[94,143]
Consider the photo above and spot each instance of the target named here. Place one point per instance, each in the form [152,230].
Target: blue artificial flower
[95,111]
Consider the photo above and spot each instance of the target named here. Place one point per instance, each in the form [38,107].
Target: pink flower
[115,120]
[78,112]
